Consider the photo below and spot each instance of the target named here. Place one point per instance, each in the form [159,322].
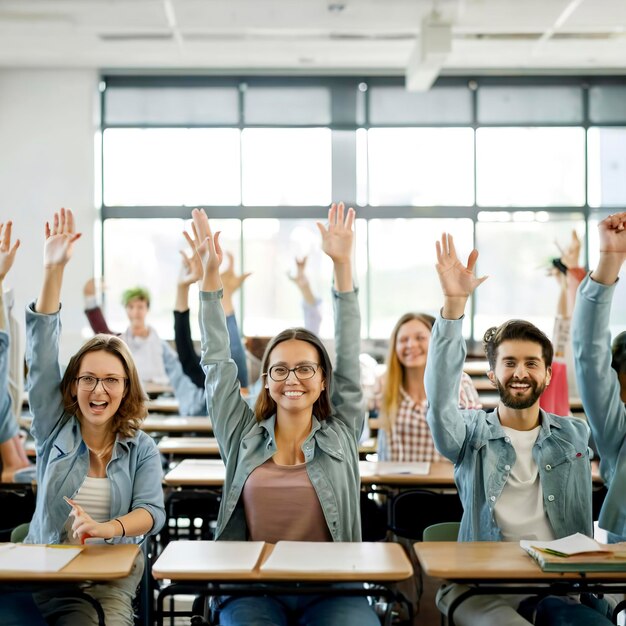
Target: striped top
[94,496]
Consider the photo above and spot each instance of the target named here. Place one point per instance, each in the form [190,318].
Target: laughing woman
[292,468]
[97,474]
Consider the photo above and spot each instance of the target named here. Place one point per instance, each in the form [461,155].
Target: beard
[524,402]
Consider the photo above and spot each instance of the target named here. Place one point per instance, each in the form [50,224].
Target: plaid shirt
[410,438]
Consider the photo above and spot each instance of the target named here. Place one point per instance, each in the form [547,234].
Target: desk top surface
[284,561]
[491,562]
[177,424]
[189,445]
[95,562]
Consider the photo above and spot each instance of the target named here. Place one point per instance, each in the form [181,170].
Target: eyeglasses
[111,384]
[279,373]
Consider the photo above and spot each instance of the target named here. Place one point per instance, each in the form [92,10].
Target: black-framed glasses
[278,373]
[111,384]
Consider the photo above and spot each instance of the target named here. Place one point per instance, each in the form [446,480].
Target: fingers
[5,231]
[340,212]
[350,217]
[471,260]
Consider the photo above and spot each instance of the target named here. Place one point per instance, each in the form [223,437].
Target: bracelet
[117,519]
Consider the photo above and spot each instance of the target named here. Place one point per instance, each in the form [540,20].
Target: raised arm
[93,310]
[346,394]
[446,353]
[230,415]
[597,381]
[310,304]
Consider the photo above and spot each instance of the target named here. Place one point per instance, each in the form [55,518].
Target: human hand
[60,239]
[571,254]
[301,279]
[7,252]
[612,231]
[84,526]
[337,238]
[205,245]
[457,280]
[190,269]
[230,280]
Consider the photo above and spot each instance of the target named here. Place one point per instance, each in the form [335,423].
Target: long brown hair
[394,376]
[322,408]
[132,409]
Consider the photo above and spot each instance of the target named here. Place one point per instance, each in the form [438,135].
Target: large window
[510,165]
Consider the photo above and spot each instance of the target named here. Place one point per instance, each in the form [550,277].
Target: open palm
[204,243]
[7,252]
[457,280]
[60,239]
[338,237]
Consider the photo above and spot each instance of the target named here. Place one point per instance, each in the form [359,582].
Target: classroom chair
[444,531]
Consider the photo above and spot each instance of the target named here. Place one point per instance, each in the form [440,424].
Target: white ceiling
[311,36]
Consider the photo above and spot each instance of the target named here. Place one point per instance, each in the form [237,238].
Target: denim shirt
[483,455]
[63,457]
[8,423]
[330,450]
[600,393]
[191,398]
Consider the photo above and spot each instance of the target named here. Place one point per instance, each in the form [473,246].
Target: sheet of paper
[384,468]
[572,544]
[29,558]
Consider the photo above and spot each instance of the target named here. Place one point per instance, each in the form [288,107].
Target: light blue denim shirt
[63,457]
[600,393]
[8,423]
[191,398]
[331,449]
[483,455]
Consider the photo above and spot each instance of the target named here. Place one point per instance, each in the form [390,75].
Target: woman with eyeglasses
[291,463]
[97,473]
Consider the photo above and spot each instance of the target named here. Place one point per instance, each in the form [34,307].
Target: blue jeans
[298,611]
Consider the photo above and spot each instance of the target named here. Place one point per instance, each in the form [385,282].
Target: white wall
[48,124]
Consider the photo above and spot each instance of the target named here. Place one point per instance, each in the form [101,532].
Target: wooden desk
[156,389]
[185,446]
[439,474]
[164,405]
[197,473]
[177,424]
[476,368]
[203,565]
[95,562]
[503,567]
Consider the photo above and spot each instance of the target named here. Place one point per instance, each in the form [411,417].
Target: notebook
[23,557]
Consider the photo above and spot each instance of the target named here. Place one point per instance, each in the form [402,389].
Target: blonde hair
[132,409]
[394,376]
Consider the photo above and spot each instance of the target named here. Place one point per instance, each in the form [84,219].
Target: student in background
[191,272]
[521,473]
[311,305]
[98,475]
[292,463]
[404,434]
[14,463]
[601,373]
[156,361]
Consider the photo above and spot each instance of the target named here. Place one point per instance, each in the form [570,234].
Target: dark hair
[515,330]
[132,409]
[322,408]
[136,293]
[619,353]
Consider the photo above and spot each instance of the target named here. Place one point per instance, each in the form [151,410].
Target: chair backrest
[413,511]
[444,531]
[18,534]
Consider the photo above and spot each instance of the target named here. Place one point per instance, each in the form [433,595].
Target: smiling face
[99,406]
[292,395]
[520,373]
[412,343]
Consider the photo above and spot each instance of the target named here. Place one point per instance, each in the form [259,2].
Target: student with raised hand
[191,272]
[292,463]
[98,475]
[13,460]
[156,361]
[404,434]
[601,374]
[521,473]
[311,306]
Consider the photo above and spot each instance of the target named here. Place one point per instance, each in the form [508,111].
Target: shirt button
[493,498]
[507,439]
[550,498]
[507,468]
[548,467]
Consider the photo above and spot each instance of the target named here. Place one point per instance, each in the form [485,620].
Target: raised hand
[612,231]
[7,252]
[570,255]
[457,280]
[300,278]
[207,247]
[338,237]
[230,280]
[190,269]
[60,239]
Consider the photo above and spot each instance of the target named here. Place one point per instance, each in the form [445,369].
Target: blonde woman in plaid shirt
[404,434]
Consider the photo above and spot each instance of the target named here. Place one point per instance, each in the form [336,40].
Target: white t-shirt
[519,511]
[94,496]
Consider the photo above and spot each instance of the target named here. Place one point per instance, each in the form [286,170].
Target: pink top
[281,505]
